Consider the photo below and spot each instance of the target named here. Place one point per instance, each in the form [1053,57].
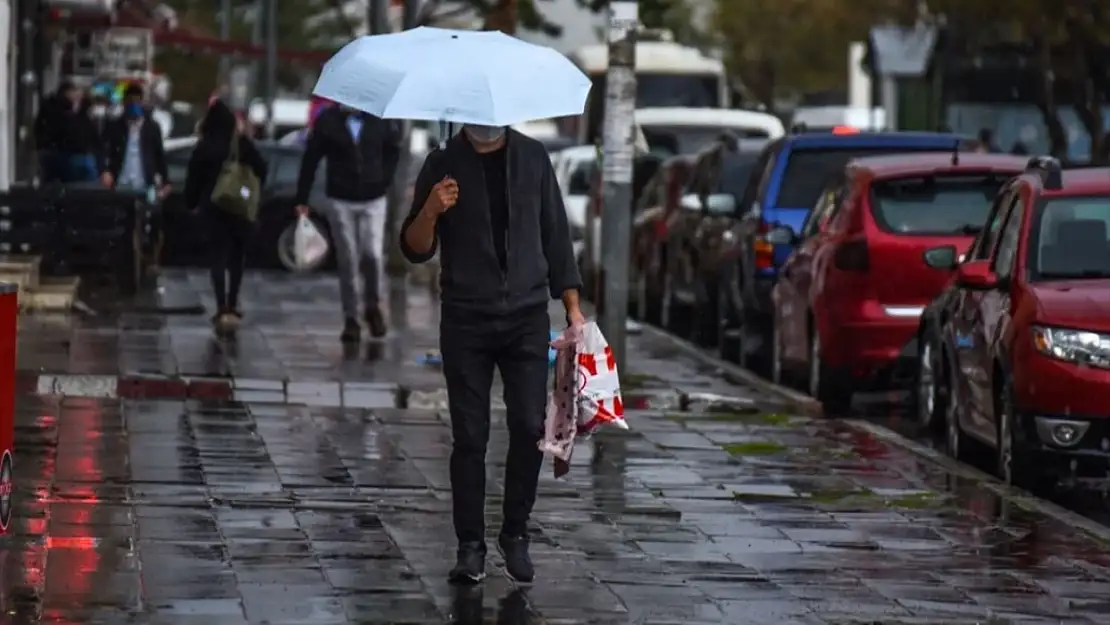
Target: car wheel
[727,330]
[1014,467]
[953,433]
[928,395]
[835,395]
[776,354]
[705,326]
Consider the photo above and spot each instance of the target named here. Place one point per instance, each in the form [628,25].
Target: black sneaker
[518,564]
[375,320]
[470,564]
[352,332]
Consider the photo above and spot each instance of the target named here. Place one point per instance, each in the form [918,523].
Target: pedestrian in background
[228,234]
[490,201]
[52,127]
[362,153]
[134,156]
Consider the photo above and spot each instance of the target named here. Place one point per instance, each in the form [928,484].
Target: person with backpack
[223,180]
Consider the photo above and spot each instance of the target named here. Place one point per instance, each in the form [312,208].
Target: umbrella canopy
[459,76]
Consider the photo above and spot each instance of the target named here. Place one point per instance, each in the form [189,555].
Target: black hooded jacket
[207,160]
[540,264]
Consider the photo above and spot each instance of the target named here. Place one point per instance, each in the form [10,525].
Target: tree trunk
[1087,105]
[503,17]
[1046,103]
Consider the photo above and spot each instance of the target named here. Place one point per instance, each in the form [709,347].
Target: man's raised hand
[443,196]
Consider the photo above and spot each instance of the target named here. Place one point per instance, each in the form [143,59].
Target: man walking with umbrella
[490,203]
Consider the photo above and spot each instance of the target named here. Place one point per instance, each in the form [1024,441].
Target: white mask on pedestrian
[484,134]
[98,112]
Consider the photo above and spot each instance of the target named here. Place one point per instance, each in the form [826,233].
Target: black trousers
[472,344]
[228,238]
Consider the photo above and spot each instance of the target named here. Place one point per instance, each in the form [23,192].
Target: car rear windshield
[934,205]
[810,170]
[1072,238]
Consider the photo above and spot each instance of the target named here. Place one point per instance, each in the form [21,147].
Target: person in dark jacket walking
[134,156]
[228,233]
[53,126]
[490,202]
[362,153]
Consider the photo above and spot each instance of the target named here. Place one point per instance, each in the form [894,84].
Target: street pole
[271,65]
[225,34]
[377,17]
[616,174]
[256,40]
[395,263]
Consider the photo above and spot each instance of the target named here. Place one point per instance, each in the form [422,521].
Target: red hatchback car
[848,300]
[1026,345]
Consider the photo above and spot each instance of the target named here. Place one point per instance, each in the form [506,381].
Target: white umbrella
[438,74]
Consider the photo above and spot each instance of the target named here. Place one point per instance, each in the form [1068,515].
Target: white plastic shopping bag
[309,245]
[586,393]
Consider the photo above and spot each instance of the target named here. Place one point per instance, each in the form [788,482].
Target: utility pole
[395,264]
[259,11]
[225,35]
[377,17]
[616,174]
[271,65]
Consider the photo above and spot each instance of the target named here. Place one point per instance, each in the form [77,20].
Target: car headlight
[1078,346]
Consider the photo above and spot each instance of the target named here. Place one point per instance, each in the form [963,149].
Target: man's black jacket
[355,172]
[541,263]
[150,144]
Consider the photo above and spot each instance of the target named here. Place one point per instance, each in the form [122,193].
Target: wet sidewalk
[718,507]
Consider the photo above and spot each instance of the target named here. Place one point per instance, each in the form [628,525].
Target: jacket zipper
[508,220]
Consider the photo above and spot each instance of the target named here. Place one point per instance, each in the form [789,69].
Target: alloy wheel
[926,386]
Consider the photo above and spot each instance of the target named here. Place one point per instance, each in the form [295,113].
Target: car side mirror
[976,275]
[720,205]
[944,258]
[690,202]
[781,235]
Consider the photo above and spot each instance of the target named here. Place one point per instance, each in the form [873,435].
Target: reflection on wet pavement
[717,507]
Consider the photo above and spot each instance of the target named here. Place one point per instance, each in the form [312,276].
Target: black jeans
[472,344]
[229,236]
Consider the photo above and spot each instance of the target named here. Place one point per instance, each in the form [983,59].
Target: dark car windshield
[934,205]
[809,170]
[1073,238]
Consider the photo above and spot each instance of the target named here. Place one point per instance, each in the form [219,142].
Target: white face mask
[98,111]
[484,134]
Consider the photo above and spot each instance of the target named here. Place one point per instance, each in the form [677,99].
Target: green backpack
[237,187]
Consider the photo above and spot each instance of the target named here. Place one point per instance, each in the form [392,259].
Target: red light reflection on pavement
[74,550]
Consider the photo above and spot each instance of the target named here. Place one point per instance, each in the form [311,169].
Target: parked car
[657,210]
[1026,348]
[702,241]
[186,241]
[677,130]
[789,177]
[575,168]
[849,299]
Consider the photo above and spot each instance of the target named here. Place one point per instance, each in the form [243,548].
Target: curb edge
[1018,497]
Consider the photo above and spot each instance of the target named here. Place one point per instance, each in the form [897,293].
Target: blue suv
[791,175]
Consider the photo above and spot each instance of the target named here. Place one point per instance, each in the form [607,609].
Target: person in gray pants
[362,153]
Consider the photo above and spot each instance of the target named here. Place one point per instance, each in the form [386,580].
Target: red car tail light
[763,250]
[852,256]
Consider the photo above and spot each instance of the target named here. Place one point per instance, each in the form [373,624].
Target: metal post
[225,34]
[616,174]
[271,65]
[377,17]
[395,207]
[259,11]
